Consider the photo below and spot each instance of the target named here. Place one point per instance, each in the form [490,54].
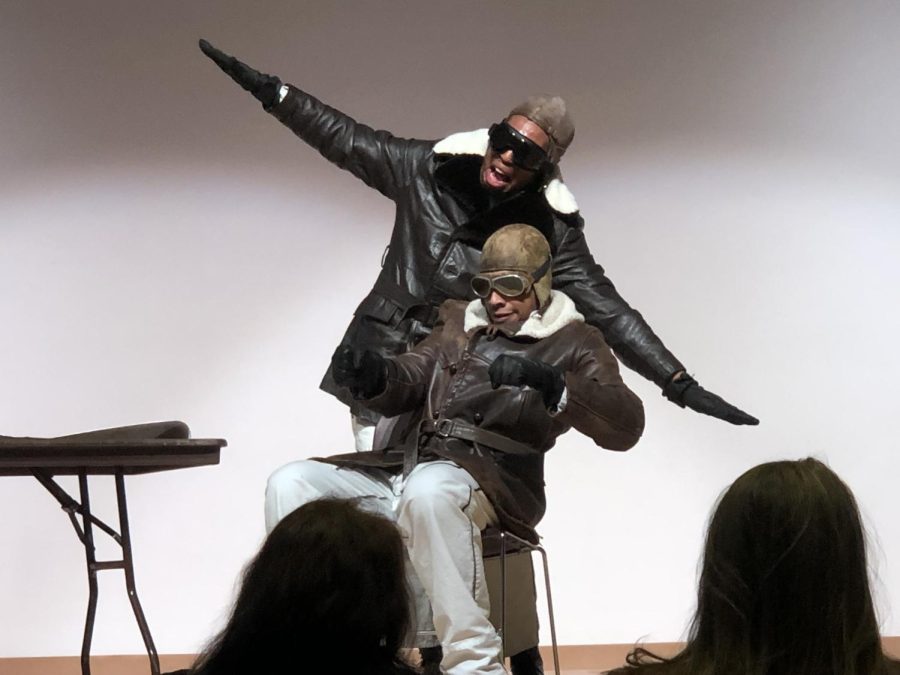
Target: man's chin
[509,322]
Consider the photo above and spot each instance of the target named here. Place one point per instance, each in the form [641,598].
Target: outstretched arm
[265,88]
[684,391]
[379,159]
[577,274]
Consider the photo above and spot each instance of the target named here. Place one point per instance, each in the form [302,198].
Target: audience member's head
[325,593]
[784,587]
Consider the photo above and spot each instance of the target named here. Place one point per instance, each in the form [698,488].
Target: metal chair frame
[532,548]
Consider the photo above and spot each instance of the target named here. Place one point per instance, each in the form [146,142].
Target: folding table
[121,451]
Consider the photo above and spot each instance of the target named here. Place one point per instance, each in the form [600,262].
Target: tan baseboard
[574,660]
[132,664]
[578,659]
[585,659]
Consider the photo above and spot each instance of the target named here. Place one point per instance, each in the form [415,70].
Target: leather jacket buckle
[444,428]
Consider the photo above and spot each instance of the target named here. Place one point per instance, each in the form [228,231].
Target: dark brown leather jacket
[447,373]
[443,217]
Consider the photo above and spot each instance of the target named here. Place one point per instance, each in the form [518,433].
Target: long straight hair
[326,593]
[784,586]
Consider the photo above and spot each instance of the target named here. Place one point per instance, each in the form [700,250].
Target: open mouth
[497,177]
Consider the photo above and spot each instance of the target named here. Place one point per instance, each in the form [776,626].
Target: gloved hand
[686,393]
[519,371]
[363,373]
[263,87]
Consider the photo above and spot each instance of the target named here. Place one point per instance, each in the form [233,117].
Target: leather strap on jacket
[447,428]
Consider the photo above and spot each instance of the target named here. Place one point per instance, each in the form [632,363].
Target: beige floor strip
[100,665]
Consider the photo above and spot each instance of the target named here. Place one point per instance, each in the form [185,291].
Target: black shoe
[527,662]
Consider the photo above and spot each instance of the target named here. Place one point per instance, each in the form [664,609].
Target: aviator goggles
[526,153]
[509,285]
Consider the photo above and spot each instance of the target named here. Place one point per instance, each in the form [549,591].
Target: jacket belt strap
[447,428]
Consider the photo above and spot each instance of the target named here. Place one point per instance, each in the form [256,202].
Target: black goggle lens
[526,153]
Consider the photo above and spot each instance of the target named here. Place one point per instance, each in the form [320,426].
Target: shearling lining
[560,312]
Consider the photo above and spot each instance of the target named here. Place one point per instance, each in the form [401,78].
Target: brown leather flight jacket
[443,218]
[447,373]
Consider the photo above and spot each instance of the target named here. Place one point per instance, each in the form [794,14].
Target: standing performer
[450,196]
[497,381]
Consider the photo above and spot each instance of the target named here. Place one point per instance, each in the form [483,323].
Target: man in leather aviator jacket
[495,384]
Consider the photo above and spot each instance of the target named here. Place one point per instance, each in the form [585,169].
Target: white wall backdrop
[167,250]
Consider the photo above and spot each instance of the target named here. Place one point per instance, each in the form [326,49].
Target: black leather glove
[688,394]
[519,372]
[364,374]
[263,87]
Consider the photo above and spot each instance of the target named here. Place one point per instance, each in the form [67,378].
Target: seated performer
[784,587]
[340,607]
[498,380]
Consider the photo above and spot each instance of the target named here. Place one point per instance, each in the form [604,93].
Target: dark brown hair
[784,586]
[326,593]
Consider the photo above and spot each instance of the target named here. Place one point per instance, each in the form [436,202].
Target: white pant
[440,511]
[363,433]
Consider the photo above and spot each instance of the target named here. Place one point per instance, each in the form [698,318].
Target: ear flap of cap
[542,290]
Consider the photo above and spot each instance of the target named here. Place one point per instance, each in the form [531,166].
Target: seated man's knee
[284,479]
[291,486]
[429,493]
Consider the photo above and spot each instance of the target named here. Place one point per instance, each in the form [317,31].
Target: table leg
[129,575]
[88,540]
[86,535]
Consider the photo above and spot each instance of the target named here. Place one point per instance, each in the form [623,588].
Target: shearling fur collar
[558,196]
[560,312]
